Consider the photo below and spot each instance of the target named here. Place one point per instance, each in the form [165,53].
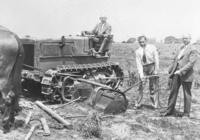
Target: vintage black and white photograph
[99,70]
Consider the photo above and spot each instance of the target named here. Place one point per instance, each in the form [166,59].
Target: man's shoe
[165,114]
[186,116]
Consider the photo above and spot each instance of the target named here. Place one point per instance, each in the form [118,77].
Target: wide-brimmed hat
[188,36]
[103,17]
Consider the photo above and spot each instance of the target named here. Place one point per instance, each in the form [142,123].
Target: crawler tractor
[60,69]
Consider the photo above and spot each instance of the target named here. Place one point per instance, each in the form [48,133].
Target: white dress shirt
[151,57]
[181,52]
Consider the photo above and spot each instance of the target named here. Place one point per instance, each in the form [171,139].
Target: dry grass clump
[91,126]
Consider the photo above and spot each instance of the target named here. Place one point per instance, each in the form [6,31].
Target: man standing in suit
[102,35]
[147,61]
[181,73]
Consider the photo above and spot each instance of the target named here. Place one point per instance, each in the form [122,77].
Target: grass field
[140,124]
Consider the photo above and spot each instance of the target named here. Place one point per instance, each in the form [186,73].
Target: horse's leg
[17,87]
[16,90]
[1,104]
[8,116]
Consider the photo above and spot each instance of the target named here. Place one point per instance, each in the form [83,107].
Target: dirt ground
[143,123]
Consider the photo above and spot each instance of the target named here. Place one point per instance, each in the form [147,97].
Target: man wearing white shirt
[147,61]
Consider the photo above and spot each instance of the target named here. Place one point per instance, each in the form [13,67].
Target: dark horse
[11,59]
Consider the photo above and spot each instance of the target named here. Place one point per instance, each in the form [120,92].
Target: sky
[128,18]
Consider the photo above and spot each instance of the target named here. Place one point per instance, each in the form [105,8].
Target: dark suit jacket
[185,63]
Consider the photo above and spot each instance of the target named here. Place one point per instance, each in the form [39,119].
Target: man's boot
[102,47]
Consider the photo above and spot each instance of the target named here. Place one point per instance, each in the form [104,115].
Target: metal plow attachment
[118,105]
[103,97]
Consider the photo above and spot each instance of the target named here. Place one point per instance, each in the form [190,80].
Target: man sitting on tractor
[100,37]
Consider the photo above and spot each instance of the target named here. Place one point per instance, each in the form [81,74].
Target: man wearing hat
[147,62]
[102,35]
[181,73]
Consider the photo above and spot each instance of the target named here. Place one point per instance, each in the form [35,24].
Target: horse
[11,60]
